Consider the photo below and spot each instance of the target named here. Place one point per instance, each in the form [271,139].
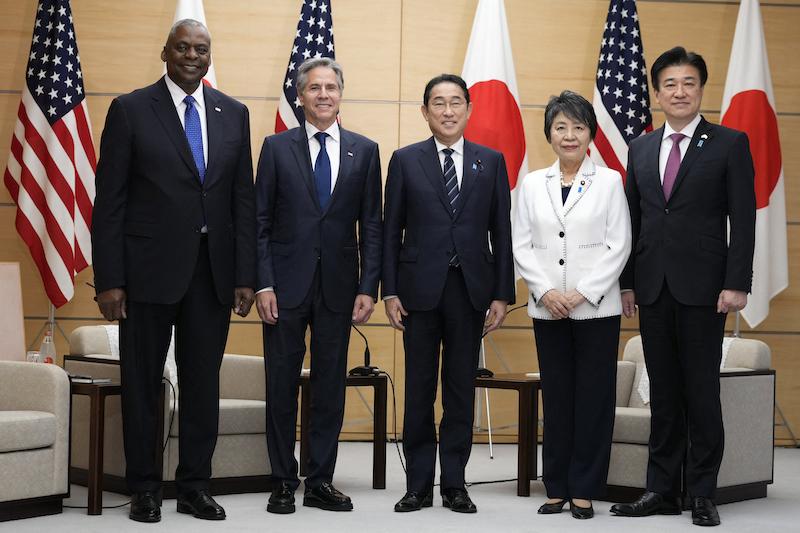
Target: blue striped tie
[451,187]
[322,171]
[194,134]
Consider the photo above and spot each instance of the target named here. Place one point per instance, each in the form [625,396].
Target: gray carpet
[499,509]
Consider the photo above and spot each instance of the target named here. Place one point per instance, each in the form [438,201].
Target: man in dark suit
[173,240]
[686,182]
[446,261]
[318,204]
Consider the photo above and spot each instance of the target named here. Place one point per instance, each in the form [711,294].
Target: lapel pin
[703,137]
[218,110]
[477,165]
[349,154]
[580,187]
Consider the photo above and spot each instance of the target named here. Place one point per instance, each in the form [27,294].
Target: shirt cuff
[265,289]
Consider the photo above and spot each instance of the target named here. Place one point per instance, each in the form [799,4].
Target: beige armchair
[34,439]
[747,390]
[240,462]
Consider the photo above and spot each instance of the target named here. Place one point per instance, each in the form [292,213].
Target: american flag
[313,38]
[621,98]
[50,172]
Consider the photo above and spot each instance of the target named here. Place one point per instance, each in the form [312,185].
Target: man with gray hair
[173,241]
[318,212]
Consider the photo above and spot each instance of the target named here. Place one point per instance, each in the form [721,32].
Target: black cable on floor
[394,405]
[163,449]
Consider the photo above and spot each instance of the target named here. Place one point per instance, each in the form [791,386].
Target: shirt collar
[457,147]
[688,130]
[179,94]
[332,131]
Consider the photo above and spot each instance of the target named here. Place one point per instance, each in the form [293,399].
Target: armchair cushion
[237,417]
[632,425]
[26,430]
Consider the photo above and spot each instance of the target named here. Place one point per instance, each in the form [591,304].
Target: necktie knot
[677,137]
[321,136]
[189,100]
[448,151]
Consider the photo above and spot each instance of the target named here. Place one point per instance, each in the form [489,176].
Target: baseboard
[218,486]
[31,507]
[734,493]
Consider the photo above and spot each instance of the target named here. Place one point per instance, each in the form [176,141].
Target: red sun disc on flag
[751,112]
[497,123]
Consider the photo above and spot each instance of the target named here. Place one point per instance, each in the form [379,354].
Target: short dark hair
[444,78]
[675,57]
[575,107]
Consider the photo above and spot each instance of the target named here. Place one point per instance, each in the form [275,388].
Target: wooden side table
[378,383]
[527,388]
[97,393]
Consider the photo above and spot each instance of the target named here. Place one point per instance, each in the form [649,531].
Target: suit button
[561,234]
[666,210]
[560,261]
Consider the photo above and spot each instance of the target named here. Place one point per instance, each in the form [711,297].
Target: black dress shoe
[144,507]
[328,498]
[552,508]
[649,503]
[200,504]
[282,499]
[704,512]
[413,501]
[458,500]
[581,513]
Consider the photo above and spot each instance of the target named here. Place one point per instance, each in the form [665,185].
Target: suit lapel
[581,184]
[347,152]
[471,171]
[214,132]
[164,109]
[429,161]
[702,133]
[303,159]
[553,185]
[652,175]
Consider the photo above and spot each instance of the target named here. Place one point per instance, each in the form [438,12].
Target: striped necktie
[451,187]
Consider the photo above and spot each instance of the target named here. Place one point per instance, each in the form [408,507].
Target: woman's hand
[556,303]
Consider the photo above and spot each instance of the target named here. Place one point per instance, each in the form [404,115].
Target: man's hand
[556,303]
[395,312]
[629,304]
[730,301]
[494,318]
[363,308]
[112,304]
[574,298]
[267,307]
[242,300]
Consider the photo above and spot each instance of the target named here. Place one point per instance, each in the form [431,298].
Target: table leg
[379,435]
[524,442]
[95,481]
[305,409]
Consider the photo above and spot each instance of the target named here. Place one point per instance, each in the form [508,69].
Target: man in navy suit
[687,182]
[446,262]
[318,203]
[173,241]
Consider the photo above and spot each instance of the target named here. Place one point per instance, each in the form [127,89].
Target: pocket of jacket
[591,245]
[140,229]
[538,246]
[713,245]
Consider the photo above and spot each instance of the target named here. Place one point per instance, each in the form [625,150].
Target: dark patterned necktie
[451,187]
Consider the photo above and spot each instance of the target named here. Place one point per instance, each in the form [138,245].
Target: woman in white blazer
[572,237]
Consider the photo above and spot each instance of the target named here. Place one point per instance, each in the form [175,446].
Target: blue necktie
[322,172]
[191,123]
[451,188]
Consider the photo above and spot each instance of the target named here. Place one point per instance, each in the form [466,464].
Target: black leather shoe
[458,500]
[144,507]
[200,504]
[552,508]
[282,500]
[328,498]
[581,513]
[649,503]
[413,501]
[704,512]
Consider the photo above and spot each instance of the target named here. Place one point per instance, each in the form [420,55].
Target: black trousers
[201,331]
[284,349]
[683,350]
[578,365]
[457,326]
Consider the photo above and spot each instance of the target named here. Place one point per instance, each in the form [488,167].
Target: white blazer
[581,244]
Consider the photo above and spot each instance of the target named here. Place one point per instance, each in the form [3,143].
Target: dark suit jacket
[684,241]
[294,233]
[420,231]
[150,204]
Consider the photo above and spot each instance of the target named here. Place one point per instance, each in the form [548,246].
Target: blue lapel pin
[703,137]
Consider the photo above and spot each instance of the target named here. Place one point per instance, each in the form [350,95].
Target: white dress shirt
[178,95]
[332,146]
[666,143]
[457,155]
